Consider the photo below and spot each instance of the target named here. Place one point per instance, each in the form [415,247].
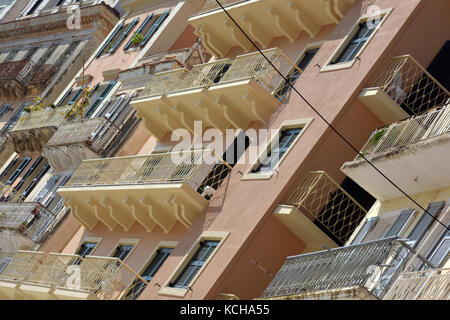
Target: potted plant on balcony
[377,137]
[80,106]
[137,39]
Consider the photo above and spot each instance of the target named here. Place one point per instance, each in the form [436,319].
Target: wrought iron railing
[30,219]
[328,205]
[411,86]
[244,67]
[104,277]
[421,285]
[407,132]
[373,265]
[198,168]
[211,5]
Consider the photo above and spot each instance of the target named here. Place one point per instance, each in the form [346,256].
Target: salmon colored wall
[331,96]
[62,236]
[186,40]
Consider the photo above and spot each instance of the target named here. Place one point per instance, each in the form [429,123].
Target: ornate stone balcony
[23,224]
[15,78]
[263,20]
[155,190]
[222,94]
[406,151]
[320,211]
[363,271]
[403,88]
[34,129]
[42,276]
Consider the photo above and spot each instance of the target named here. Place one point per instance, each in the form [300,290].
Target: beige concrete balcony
[263,20]
[403,88]
[154,190]
[408,152]
[34,129]
[422,285]
[42,276]
[23,224]
[320,211]
[222,94]
[363,271]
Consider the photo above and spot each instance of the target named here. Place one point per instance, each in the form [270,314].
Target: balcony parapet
[372,266]
[404,87]
[421,285]
[28,219]
[263,20]
[325,203]
[155,190]
[405,150]
[44,276]
[215,93]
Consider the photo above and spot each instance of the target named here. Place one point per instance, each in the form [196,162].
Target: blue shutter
[18,171]
[35,180]
[99,100]
[68,92]
[10,165]
[29,172]
[75,97]
[366,228]
[399,224]
[124,35]
[115,32]
[5,108]
[155,27]
[141,27]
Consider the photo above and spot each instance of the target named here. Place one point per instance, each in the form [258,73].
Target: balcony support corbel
[212,116]
[258,107]
[234,118]
[125,220]
[161,216]
[211,42]
[237,36]
[87,220]
[140,213]
[181,212]
[257,32]
[304,20]
[330,9]
[102,214]
[171,119]
[284,24]
[185,116]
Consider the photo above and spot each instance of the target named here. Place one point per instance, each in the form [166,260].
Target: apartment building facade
[155,229]
[40,55]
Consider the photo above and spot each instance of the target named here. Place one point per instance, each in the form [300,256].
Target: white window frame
[345,65]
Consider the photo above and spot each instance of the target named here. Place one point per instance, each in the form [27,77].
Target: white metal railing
[373,265]
[412,130]
[421,285]
[243,67]
[106,278]
[211,5]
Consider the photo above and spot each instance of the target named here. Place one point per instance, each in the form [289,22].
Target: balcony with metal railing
[363,271]
[24,222]
[34,129]
[263,20]
[46,276]
[406,151]
[154,190]
[221,94]
[421,285]
[403,88]
[320,212]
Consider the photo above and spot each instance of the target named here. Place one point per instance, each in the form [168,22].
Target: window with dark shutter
[295,74]
[107,45]
[4,109]
[123,35]
[75,97]
[138,286]
[425,222]
[123,251]
[34,7]
[155,28]
[286,138]
[91,110]
[29,173]
[48,53]
[140,30]
[86,248]
[195,264]
[364,231]
[8,168]
[400,223]
[11,56]
[18,171]
[441,252]
[35,181]
[67,53]
[355,44]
